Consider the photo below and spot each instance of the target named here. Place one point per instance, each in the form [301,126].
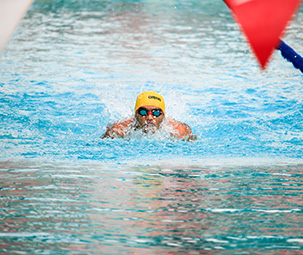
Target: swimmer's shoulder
[182,130]
[178,125]
[123,123]
[118,128]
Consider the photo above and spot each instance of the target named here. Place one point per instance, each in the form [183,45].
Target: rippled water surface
[72,67]
[164,208]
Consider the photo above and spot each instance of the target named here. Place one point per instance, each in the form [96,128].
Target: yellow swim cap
[150,98]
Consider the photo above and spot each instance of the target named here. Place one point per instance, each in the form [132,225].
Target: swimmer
[150,117]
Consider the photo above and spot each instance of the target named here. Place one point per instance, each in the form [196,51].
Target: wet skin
[148,123]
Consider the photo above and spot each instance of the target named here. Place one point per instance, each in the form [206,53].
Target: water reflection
[120,209]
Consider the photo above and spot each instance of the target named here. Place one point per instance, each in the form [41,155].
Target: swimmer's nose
[149,116]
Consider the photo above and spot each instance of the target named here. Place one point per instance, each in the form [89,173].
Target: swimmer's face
[149,122]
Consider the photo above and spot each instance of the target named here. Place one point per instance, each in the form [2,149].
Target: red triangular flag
[263,22]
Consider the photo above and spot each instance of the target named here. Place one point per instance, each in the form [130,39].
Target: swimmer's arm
[182,131]
[185,132]
[118,129]
[113,132]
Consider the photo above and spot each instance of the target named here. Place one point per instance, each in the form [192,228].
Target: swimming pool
[72,67]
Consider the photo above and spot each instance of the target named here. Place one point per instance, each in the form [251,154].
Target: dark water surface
[72,67]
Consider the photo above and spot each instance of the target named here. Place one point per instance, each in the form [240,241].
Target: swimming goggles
[144,112]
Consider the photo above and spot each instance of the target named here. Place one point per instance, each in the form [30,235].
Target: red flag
[263,22]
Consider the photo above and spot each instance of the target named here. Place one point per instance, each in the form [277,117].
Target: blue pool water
[72,67]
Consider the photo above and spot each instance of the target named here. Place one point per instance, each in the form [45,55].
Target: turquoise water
[72,67]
